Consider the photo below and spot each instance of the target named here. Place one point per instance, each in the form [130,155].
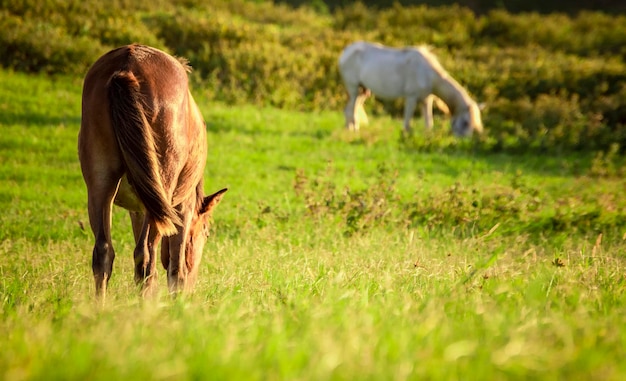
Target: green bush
[463,209]
[586,34]
[66,36]
[43,47]
[550,81]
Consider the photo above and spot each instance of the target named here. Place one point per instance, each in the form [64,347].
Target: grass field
[333,256]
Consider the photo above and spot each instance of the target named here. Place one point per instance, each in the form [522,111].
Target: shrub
[461,209]
[44,47]
[550,81]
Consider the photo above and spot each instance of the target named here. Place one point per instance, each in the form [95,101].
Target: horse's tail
[135,139]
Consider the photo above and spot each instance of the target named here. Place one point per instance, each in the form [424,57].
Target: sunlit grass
[285,293]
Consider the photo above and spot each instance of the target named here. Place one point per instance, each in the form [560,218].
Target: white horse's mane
[427,52]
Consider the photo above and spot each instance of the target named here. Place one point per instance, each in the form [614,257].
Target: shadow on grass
[35,119]
[495,158]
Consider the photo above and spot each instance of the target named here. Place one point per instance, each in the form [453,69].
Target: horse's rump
[137,144]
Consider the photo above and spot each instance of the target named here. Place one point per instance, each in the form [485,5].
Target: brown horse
[142,146]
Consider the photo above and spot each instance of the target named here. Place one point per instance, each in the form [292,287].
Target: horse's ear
[211,201]
[482,106]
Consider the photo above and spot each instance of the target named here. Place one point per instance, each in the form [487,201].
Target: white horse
[412,73]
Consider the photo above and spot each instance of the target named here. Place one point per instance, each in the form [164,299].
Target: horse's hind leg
[100,204]
[350,110]
[146,239]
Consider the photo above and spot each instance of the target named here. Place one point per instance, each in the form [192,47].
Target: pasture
[334,255]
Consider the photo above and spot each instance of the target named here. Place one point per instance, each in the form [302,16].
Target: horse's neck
[448,90]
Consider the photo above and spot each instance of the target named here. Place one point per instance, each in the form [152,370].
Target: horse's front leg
[177,272]
[176,269]
[410,103]
[147,239]
[427,111]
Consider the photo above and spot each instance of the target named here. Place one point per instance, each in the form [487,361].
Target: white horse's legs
[351,122]
[427,111]
[428,104]
[410,103]
[359,113]
[354,112]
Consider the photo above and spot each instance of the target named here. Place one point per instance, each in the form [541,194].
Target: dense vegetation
[550,82]
[478,6]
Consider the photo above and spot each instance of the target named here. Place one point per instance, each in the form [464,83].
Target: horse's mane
[143,52]
[474,112]
[427,52]
[429,56]
[185,62]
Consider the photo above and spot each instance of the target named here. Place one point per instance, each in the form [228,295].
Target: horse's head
[197,235]
[199,230]
[466,122]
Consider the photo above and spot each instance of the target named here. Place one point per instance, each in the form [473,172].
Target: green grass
[514,270]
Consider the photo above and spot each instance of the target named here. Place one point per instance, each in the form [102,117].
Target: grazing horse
[142,146]
[412,73]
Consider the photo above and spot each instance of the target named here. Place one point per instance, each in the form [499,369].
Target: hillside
[550,82]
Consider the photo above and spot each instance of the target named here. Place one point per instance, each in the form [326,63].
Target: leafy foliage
[466,210]
[550,82]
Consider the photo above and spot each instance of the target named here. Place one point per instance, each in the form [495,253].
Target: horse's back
[388,72]
[162,77]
